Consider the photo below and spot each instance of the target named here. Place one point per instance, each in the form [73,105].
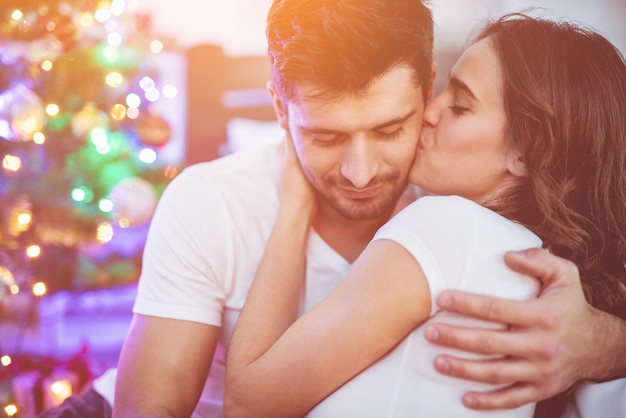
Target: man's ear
[279,106]
[431,82]
[515,164]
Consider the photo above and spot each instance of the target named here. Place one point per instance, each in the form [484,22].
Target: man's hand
[553,341]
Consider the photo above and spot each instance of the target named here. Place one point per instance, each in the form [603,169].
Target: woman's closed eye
[458,110]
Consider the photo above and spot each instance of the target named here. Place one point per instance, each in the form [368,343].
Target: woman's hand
[296,193]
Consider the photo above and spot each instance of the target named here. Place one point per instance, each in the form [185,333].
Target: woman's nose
[432,112]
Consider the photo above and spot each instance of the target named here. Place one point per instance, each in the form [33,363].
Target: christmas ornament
[134,200]
[22,113]
[88,118]
[154,130]
[46,48]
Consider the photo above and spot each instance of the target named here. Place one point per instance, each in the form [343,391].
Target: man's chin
[363,210]
[379,205]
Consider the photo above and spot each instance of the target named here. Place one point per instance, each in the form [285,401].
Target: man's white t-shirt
[606,400]
[205,243]
[459,245]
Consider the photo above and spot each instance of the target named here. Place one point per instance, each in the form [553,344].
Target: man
[213,221]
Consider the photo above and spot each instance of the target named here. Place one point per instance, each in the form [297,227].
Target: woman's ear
[279,109]
[516,165]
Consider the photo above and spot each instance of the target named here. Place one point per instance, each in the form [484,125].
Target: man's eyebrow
[394,121]
[460,84]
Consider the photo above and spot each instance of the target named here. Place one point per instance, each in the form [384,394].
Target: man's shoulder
[243,169]
[262,160]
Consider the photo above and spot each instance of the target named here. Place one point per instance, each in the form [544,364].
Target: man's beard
[382,204]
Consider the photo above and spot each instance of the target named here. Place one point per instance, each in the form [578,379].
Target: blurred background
[102,103]
[239,25]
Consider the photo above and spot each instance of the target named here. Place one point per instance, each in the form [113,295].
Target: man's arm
[553,341]
[163,367]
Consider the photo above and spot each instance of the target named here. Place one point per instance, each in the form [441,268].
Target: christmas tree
[79,142]
[82,147]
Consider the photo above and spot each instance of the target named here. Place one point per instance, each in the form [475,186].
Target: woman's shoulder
[456,216]
[438,207]
[433,214]
[453,201]
[455,207]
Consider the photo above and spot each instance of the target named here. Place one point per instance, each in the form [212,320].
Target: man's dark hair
[344,45]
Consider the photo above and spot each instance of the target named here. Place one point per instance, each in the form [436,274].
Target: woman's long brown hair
[564,90]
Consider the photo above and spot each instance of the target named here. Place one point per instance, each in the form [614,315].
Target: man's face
[357,150]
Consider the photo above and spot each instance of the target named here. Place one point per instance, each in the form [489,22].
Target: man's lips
[366,193]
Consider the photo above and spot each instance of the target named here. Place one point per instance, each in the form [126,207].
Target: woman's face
[462,150]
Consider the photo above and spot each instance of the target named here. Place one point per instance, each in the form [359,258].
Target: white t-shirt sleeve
[606,399]
[460,245]
[186,246]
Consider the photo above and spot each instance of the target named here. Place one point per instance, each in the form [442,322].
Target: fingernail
[470,401]
[432,333]
[445,301]
[442,364]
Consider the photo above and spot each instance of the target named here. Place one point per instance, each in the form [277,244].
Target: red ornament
[154,130]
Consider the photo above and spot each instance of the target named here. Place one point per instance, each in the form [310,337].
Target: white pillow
[243,134]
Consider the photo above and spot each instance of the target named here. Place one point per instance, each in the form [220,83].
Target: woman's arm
[281,371]
[381,300]
[275,299]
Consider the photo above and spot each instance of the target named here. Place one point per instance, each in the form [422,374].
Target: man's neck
[349,237]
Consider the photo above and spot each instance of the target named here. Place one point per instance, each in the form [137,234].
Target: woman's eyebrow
[460,84]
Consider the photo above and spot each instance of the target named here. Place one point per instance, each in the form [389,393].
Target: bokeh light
[11,163]
[147,155]
[39,138]
[133,100]
[105,205]
[156,46]
[52,109]
[33,251]
[104,233]
[114,79]
[40,289]
[169,91]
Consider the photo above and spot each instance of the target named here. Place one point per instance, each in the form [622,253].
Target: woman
[526,145]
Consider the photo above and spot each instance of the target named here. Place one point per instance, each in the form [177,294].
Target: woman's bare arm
[382,299]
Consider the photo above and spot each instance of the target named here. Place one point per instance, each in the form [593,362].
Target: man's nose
[360,162]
